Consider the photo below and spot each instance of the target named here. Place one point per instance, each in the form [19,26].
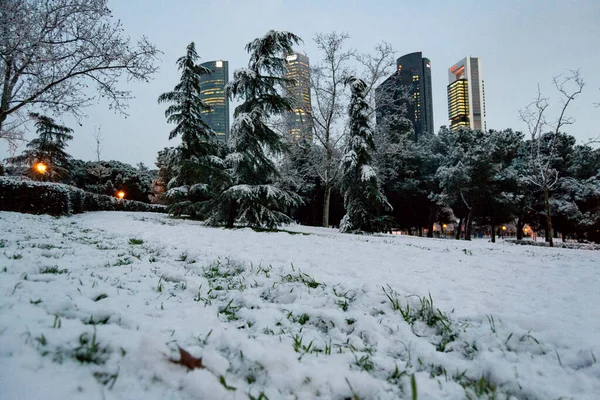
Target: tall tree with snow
[541,173]
[362,197]
[252,198]
[48,148]
[200,171]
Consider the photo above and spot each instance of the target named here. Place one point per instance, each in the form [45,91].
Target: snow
[367,173]
[263,309]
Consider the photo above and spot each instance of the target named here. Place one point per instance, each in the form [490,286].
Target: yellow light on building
[40,167]
[120,194]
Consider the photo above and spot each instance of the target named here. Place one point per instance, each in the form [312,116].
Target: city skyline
[512,35]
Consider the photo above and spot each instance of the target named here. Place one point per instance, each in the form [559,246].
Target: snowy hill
[96,306]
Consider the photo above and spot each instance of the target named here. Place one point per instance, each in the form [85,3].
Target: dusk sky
[520,43]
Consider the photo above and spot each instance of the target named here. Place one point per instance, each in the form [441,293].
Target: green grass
[230,311]
[303,319]
[256,229]
[53,270]
[100,297]
[301,277]
[89,350]
[135,241]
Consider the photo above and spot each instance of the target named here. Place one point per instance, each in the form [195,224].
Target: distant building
[299,121]
[212,91]
[407,93]
[466,95]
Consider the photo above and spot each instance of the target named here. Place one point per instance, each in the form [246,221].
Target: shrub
[31,197]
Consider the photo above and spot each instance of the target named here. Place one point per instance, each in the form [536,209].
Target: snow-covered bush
[26,196]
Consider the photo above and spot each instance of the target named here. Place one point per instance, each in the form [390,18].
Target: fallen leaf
[188,360]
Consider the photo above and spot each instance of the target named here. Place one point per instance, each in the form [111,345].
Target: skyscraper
[407,93]
[299,121]
[466,96]
[212,91]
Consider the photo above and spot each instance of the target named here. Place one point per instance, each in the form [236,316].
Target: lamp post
[41,167]
[120,194]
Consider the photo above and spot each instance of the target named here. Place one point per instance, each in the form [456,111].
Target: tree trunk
[469,225]
[231,216]
[520,225]
[420,231]
[548,217]
[493,233]
[326,200]
[459,229]
[563,237]
[430,222]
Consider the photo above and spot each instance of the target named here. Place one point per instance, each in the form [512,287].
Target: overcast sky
[520,42]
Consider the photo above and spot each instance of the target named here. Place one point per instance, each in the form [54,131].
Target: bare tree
[329,101]
[14,133]
[98,142]
[376,67]
[51,51]
[541,173]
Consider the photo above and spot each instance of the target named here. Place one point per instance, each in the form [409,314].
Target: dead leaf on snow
[188,360]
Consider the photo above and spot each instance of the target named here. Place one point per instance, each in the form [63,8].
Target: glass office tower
[212,91]
[466,95]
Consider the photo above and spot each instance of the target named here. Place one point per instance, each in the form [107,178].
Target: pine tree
[362,196]
[48,148]
[200,170]
[252,198]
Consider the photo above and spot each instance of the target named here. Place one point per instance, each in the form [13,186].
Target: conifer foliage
[200,168]
[48,148]
[362,195]
[252,198]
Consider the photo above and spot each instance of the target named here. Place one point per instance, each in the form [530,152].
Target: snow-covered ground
[95,306]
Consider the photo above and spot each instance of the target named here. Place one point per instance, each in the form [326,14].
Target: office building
[299,121]
[466,95]
[407,93]
[212,91]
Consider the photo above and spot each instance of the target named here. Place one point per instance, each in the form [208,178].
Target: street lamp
[120,194]
[41,167]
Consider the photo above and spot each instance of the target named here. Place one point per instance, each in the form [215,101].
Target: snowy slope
[95,305]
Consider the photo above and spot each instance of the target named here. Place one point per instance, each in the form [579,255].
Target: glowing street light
[41,167]
[445,226]
[120,194]
[503,227]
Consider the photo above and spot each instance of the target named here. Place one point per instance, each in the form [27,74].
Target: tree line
[363,176]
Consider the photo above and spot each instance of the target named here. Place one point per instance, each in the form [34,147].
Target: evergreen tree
[200,170]
[48,148]
[477,176]
[362,197]
[252,198]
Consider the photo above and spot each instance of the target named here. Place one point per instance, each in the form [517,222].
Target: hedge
[31,197]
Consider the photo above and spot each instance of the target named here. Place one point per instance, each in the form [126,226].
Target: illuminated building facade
[212,91]
[407,93]
[466,95]
[299,121]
